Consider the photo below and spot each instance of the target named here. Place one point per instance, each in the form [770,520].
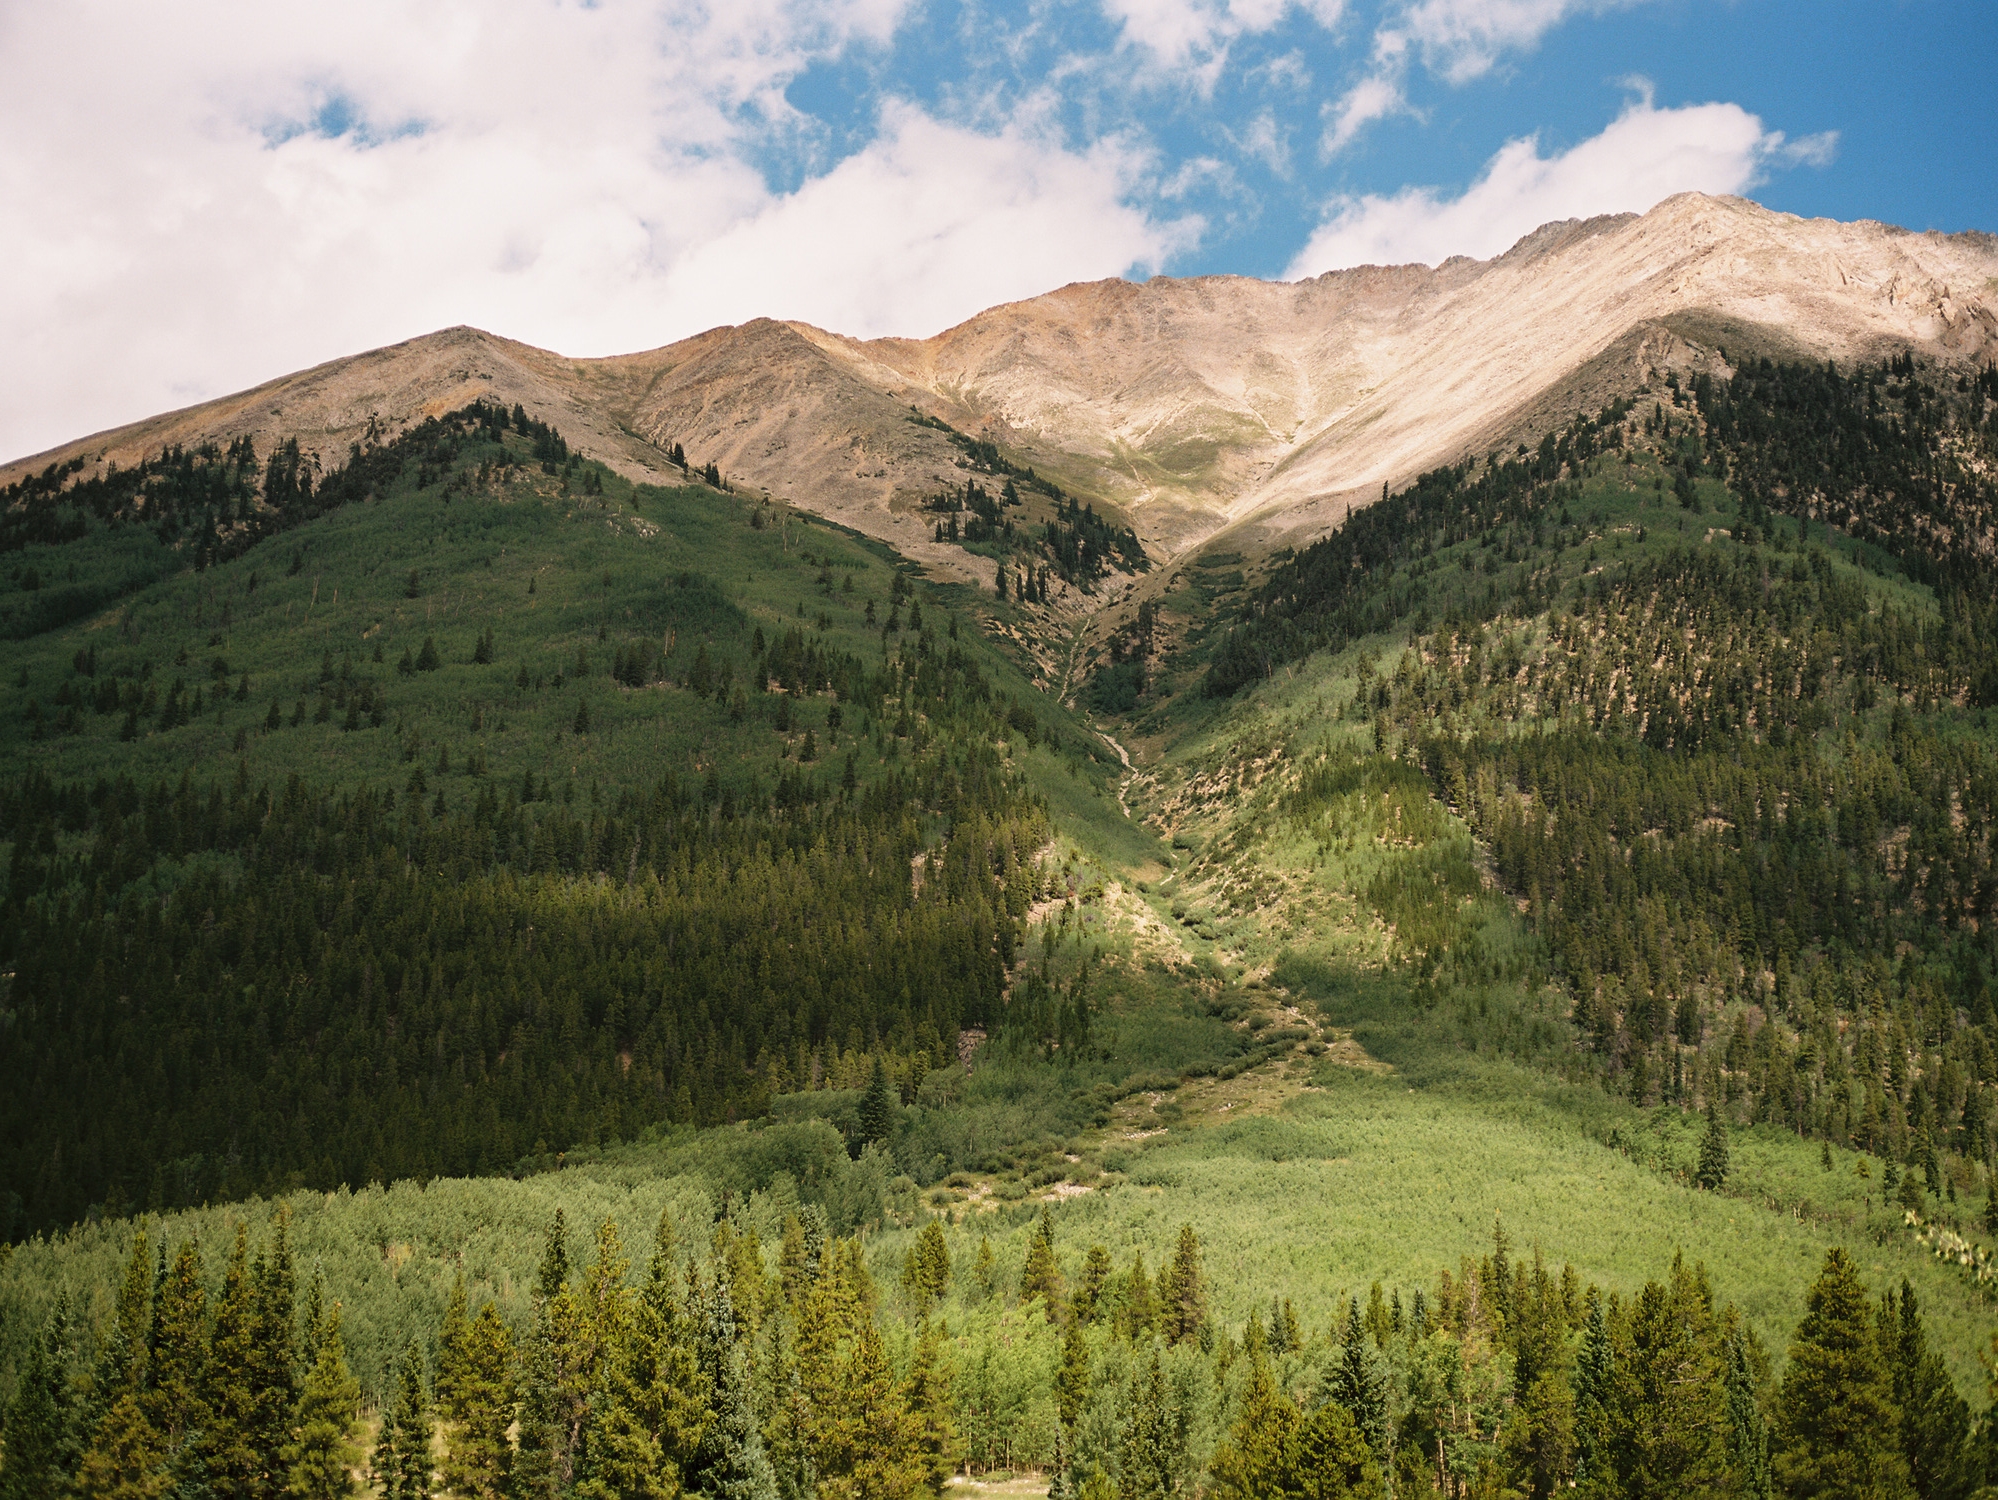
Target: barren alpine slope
[1192,405]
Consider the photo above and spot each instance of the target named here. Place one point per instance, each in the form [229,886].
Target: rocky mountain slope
[1193,406]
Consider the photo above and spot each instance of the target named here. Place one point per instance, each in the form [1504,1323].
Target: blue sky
[245,188]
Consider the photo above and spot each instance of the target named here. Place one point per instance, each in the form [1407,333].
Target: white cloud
[1191,38]
[196,216]
[1462,39]
[1645,155]
[1369,100]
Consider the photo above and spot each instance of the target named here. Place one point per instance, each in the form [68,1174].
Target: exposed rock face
[1195,405]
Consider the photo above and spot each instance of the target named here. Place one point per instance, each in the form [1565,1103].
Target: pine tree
[985,1268]
[1748,1435]
[273,1375]
[1359,1384]
[1935,1422]
[1836,1425]
[38,1436]
[730,1462]
[1714,1165]
[480,1409]
[1154,1451]
[928,1394]
[179,1339]
[1072,1382]
[227,1446]
[125,1456]
[1182,1291]
[320,1457]
[403,1458]
[1254,1461]
[451,1336]
[1595,1374]
[1041,1275]
[877,1106]
[1088,1296]
[926,1271]
[1139,1310]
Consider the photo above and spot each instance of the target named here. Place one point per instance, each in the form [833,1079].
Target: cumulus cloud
[1644,156]
[1367,101]
[230,190]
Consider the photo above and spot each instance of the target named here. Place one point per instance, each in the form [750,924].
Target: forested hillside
[520,984]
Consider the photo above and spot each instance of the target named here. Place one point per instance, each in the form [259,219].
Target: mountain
[1190,406]
[1531,947]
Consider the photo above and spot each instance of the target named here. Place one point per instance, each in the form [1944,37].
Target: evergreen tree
[1935,1421]
[320,1457]
[877,1106]
[730,1463]
[1748,1435]
[928,1394]
[1253,1462]
[1595,1372]
[1072,1382]
[1359,1384]
[1539,1440]
[403,1457]
[124,1456]
[1328,1458]
[179,1339]
[479,1409]
[1182,1291]
[228,1451]
[1154,1451]
[1714,1165]
[37,1433]
[1041,1275]
[1139,1311]
[1836,1425]
[926,1272]
[1089,1293]
[272,1374]
[451,1337]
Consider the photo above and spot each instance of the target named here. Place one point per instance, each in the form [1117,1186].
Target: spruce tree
[273,1375]
[927,1271]
[1154,1449]
[227,1448]
[1072,1381]
[403,1458]
[1359,1384]
[179,1340]
[477,1461]
[928,1395]
[38,1431]
[1140,1311]
[320,1457]
[124,1455]
[1595,1373]
[1836,1424]
[1041,1275]
[730,1463]
[1748,1434]
[1182,1291]
[877,1106]
[1254,1460]
[1935,1421]
[1083,1305]
[1714,1165]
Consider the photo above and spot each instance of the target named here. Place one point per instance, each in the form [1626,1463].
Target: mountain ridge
[1193,406]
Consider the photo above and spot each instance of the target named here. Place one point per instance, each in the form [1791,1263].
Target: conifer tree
[1836,1424]
[403,1457]
[1253,1462]
[1182,1291]
[1072,1382]
[1595,1372]
[1154,1449]
[1935,1422]
[928,1394]
[319,1458]
[179,1340]
[1084,1304]
[228,1450]
[1748,1434]
[1041,1275]
[479,1409]
[1714,1165]
[273,1375]
[1327,1458]
[124,1455]
[1359,1384]
[926,1272]
[877,1106]
[38,1450]
[984,1269]
[730,1462]
[451,1337]
[1139,1310]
